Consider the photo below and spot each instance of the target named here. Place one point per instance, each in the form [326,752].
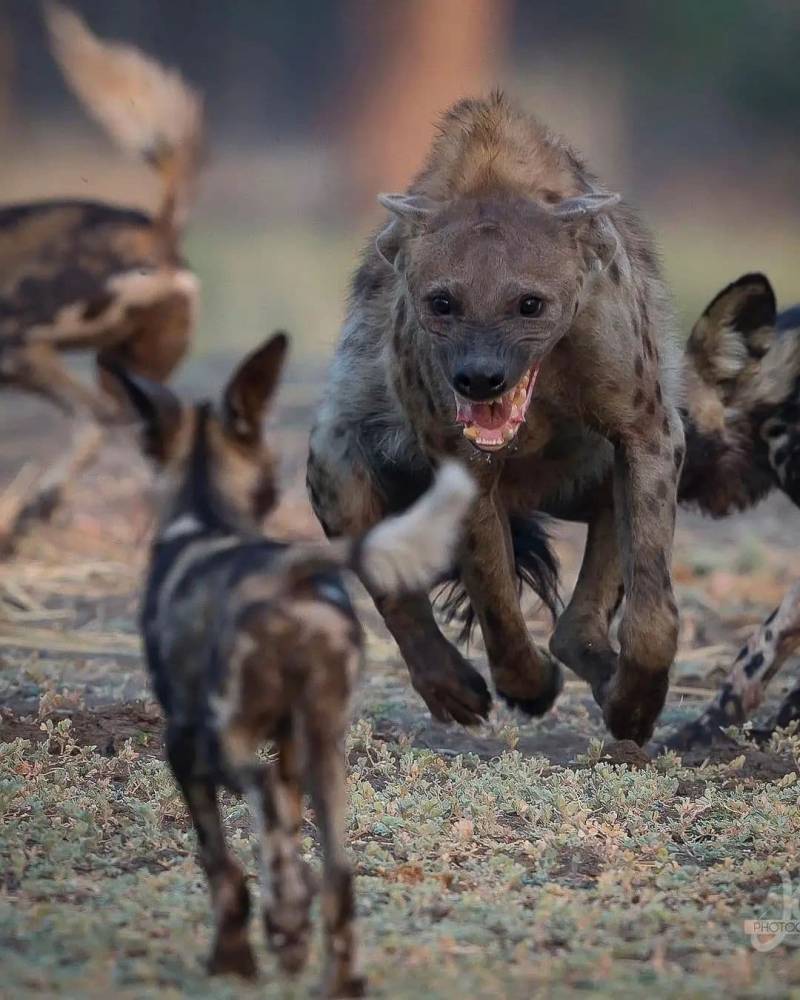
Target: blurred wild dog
[87,276]
[513,313]
[250,640]
[742,418]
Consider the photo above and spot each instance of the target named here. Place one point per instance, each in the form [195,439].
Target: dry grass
[525,857]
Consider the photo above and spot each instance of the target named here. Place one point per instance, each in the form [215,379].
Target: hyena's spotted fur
[502,203]
[249,640]
[84,276]
[743,434]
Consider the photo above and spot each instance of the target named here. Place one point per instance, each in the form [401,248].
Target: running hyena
[513,313]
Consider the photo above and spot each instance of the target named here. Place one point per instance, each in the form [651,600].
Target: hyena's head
[215,468]
[494,282]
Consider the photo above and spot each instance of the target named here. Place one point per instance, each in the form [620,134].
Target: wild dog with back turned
[88,276]
[249,640]
[513,313]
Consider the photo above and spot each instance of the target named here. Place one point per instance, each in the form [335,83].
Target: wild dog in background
[87,276]
[742,368]
[513,313]
[249,640]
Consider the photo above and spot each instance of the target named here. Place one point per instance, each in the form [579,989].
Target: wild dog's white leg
[743,691]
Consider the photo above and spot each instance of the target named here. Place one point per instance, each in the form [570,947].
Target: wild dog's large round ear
[738,324]
[158,408]
[252,387]
[410,213]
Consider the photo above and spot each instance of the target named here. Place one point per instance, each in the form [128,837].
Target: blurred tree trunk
[6,74]
[421,56]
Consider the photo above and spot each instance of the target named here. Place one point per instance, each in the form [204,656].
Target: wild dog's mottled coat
[249,640]
[743,434]
[503,208]
[79,275]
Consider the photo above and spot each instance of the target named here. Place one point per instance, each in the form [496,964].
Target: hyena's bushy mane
[488,145]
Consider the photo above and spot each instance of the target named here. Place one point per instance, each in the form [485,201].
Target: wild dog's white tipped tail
[149,110]
[411,551]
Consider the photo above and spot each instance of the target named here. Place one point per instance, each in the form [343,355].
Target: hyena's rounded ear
[601,244]
[585,206]
[736,326]
[157,407]
[410,213]
[252,387]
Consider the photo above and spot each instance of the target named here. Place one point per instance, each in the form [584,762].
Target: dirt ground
[524,857]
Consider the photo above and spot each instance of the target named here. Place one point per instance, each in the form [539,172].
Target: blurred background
[688,108]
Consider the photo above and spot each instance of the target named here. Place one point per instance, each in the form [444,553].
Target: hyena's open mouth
[490,426]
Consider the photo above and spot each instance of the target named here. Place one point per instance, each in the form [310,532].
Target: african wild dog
[250,640]
[88,276]
[513,313]
[742,367]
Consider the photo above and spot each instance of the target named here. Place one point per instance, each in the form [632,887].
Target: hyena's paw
[452,688]
[632,703]
[532,686]
[232,955]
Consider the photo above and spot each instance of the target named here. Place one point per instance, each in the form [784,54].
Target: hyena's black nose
[479,384]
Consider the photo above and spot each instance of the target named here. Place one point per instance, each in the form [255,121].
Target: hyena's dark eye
[441,305]
[530,305]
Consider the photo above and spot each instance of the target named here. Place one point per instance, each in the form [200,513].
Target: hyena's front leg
[347,502]
[646,471]
[451,687]
[526,677]
[581,637]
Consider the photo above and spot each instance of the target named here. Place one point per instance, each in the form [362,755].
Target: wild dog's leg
[231,950]
[346,502]
[158,339]
[39,368]
[286,885]
[646,470]
[525,676]
[328,786]
[755,666]
[581,636]
[789,711]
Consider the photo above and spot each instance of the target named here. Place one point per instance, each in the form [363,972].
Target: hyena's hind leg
[347,502]
[276,800]
[231,951]
[755,666]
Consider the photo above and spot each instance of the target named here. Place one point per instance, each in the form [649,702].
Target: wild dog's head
[494,282]
[216,470]
[736,372]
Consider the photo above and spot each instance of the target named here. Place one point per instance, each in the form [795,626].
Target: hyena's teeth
[508,433]
[472,433]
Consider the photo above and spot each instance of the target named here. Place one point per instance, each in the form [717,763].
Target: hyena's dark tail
[150,111]
[536,567]
[408,552]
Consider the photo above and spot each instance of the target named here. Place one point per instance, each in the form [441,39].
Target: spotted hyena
[88,276]
[513,313]
[742,417]
[250,640]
